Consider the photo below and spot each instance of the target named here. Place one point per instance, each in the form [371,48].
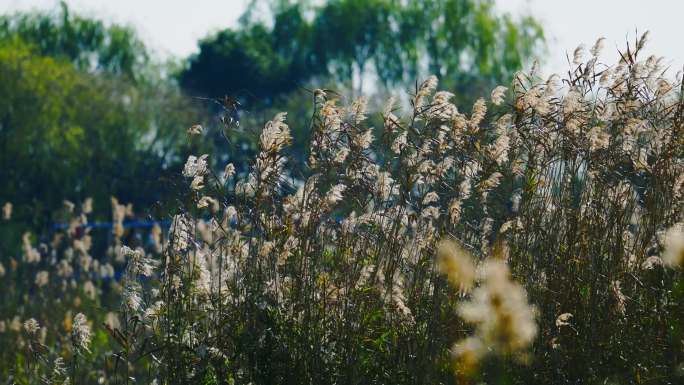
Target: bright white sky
[173,27]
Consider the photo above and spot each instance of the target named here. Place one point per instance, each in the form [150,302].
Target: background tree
[89,44]
[255,60]
[271,63]
[84,113]
[464,42]
[99,113]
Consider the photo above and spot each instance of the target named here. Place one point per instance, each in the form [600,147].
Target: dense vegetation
[88,113]
[536,239]
[80,116]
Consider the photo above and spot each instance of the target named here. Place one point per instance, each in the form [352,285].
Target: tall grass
[517,243]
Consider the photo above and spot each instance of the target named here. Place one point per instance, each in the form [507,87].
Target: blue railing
[108,225]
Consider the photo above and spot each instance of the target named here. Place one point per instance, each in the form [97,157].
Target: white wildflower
[138,262]
[80,333]
[90,290]
[441,108]
[335,194]
[430,212]
[498,150]
[42,278]
[229,171]
[69,206]
[87,206]
[276,134]
[430,197]
[578,55]
[197,183]
[358,110]
[332,119]
[31,255]
[456,263]
[469,351]
[195,166]
[620,298]
[31,326]
[341,155]
[207,201]
[384,185]
[247,186]
[399,299]
[598,139]
[59,369]
[106,271]
[231,214]
[498,95]
[364,139]
[132,301]
[651,262]
[112,320]
[572,102]
[673,246]
[465,188]
[455,210]
[478,113]
[643,40]
[15,325]
[7,211]
[598,47]
[503,319]
[563,320]
[425,89]
[493,181]
[266,248]
[195,129]
[400,142]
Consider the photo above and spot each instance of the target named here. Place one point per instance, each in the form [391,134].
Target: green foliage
[465,42]
[268,64]
[88,43]
[66,134]
[264,62]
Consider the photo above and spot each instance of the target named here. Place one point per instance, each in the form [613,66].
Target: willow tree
[466,43]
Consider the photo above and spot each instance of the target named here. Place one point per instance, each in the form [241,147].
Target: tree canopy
[83,114]
[256,59]
[88,43]
[464,42]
